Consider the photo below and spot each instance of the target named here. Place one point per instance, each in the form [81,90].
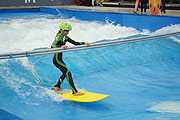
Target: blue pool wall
[137,21]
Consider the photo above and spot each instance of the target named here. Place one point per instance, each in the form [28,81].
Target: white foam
[167,29]
[44,93]
[175,39]
[95,31]
[167,106]
[28,34]
[14,82]
[3,61]
[24,61]
[164,30]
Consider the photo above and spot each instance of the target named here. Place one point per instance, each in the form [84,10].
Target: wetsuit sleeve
[74,42]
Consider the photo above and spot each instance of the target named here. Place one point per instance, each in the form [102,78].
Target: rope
[39,79]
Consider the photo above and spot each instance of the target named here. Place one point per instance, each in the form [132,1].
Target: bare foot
[57,89]
[78,93]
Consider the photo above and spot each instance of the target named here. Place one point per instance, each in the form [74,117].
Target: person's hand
[87,44]
[64,46]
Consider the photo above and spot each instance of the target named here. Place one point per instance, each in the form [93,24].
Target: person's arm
[74,42]
[77,43]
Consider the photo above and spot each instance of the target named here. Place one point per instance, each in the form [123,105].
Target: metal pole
[57,50]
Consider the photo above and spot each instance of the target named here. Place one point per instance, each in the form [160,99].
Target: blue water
[138,76]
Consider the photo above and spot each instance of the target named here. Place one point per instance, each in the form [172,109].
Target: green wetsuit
[60,40]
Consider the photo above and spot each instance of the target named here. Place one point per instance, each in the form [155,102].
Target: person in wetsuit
[60,41]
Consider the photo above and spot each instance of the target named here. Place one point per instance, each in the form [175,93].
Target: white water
[28,34]
[167,107]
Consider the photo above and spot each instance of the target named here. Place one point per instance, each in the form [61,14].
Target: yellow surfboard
[87,97]
[154,6]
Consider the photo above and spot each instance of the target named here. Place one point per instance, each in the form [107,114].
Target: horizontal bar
[57,50]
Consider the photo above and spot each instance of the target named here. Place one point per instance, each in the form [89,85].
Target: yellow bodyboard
[87,97]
